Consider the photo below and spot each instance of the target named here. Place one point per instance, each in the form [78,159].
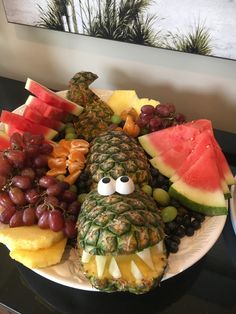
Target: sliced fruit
[16,121]
[35,117]
[158,142]
[42,257]
[199,188]
[4,141]
[45,109]
[121,100]
[29,238]
[52,98]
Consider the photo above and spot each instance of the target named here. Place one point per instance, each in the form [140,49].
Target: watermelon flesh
[44,109]
[35,117]
[199,188]
[158,142]
[52,98]
[17,122]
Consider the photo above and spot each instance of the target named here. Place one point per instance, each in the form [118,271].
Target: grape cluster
[185,224]
[160,117]
[28,196]
[179,221]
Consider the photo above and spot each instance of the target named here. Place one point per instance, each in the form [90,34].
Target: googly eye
[124,185]
[106,186]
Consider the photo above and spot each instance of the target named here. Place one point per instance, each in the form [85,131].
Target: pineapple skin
[78,89]
[114,154]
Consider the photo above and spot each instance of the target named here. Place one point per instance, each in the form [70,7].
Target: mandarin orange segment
[71,178]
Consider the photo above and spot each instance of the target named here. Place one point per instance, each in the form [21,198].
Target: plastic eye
[106,186]
[124,185]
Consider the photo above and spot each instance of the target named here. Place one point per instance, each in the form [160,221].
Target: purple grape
[162,110]
[29,217]
[5,167]
[28,172]
[21,182]
[32,196]
[6,214]
[46,181]
[56,220]
[155,124]
[41,161]
[17,196]
[16,141]
[5,200]
[148,109]
[43,221]
[17,219]
[180,118]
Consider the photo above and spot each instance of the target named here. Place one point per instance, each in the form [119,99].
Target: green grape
[69,129]
[70,136]
[73,188]
[116,119]
[147,189]
[168,213]
[161,197]
[81,197]
[61,177]
[69,124]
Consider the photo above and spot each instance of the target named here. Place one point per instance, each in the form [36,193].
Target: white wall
[199,86]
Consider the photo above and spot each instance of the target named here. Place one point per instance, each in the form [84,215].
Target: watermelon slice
[21,123]
[4,141]
[199,188]
[52,98]
[44,109]
[158,142]
[35,117]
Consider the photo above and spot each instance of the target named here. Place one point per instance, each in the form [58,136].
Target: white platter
[191,249]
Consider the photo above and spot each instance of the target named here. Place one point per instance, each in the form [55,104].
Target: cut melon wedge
[52,98]
[4,141]
[199,188]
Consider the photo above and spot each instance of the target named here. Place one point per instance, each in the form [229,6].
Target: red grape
[43,221]
[17,196]
[52,200]
[29,216]
[55,189]
[56,220]
[46,149]
[17,219]
[28,172]
[3,181]
[163,110]
[145,118]
[16,141]
[148,109]
[5,166]
[16,157]
[155,124]
[40,209]
[46,181]
[6,214]
[21,182]
[31,150]
[180,118]
[74,208]
[5,200]
[69,196]
[32,196]
[41,161]
[70,229]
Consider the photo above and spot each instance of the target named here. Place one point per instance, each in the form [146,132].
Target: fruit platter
[102,190]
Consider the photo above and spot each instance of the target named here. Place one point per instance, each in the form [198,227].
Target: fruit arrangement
[78,170]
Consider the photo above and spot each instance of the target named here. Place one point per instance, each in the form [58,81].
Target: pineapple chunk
[114,269]
[135,271]
[121,100]
[145,255]
[29,238]
[101,262]
[42,257]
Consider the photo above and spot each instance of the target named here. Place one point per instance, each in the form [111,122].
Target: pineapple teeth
[85,257]
[100,262]
[136,271]
[114,269]
[145,255]
[159,246]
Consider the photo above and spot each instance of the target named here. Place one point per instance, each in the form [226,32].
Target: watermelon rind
[207,203]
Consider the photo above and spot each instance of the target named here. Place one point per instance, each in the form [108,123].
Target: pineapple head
[115,154]
[78,89]
[120,241]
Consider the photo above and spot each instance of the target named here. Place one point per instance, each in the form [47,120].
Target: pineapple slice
[29,238]
[41,257]
[121,100]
